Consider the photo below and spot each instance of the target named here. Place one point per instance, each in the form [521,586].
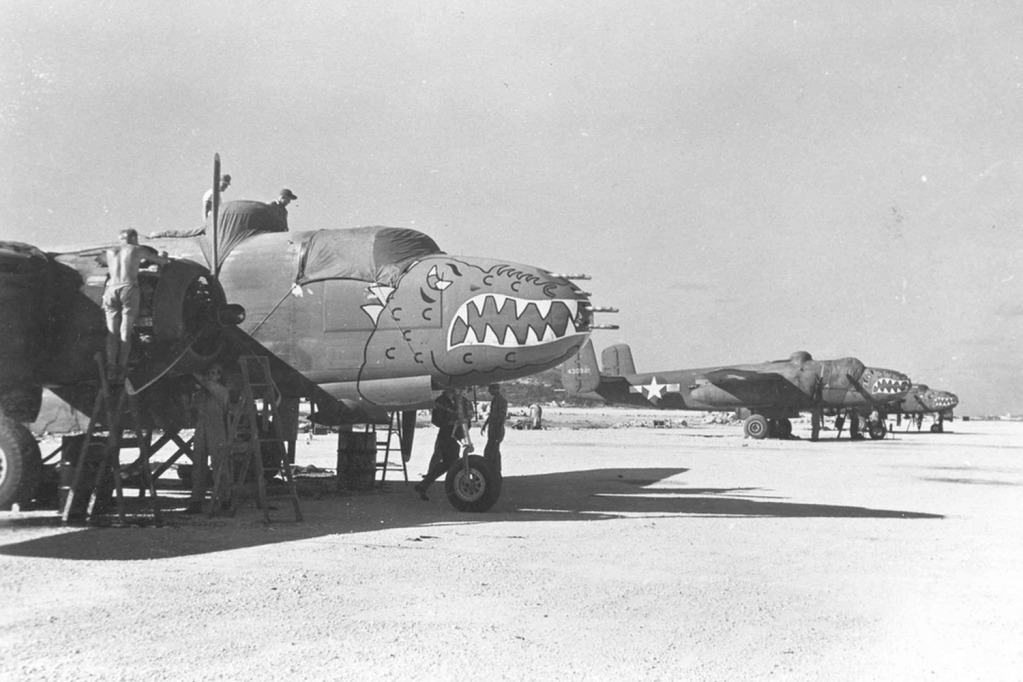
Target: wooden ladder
[255,447]
[108,410]
[384,437]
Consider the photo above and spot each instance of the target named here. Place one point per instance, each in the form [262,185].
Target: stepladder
[98,469]
[254,461]
[388,441]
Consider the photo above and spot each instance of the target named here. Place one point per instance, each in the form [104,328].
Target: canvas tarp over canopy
[372,254]
[238,221]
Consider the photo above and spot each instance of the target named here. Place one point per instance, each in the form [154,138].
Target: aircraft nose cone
[886,384]
[505,320]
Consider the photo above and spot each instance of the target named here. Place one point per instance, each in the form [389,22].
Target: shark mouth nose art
[889,386]
[511,322]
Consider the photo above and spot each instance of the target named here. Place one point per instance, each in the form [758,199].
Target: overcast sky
[741,179]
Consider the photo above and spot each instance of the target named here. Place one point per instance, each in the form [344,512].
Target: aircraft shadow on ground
[591,495]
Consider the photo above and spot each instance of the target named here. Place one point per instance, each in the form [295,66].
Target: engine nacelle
[52,323]
[187,314]
[25,278]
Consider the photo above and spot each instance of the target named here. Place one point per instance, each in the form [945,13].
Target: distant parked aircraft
[773,392]
[923,400]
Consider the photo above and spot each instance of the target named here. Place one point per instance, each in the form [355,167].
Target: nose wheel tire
[755,427]
[472,488]
[877,430]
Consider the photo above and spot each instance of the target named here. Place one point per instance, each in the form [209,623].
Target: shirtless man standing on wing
[122,297]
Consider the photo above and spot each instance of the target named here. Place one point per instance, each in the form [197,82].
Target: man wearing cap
[495,423]
[279,207]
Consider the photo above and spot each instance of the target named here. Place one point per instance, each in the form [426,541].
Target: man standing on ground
[451,415]
[495,425]
[535,417]
[122,298]
[209,447]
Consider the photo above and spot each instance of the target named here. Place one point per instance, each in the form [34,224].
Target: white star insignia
[654,390]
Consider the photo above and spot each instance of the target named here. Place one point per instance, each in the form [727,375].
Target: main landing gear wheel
[784,428]
[877,430]
[20,463]
[474,488]
[755,427]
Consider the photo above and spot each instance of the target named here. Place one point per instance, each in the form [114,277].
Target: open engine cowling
[188,310]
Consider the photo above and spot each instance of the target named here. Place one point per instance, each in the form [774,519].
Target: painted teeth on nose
[499,300]
[490,337]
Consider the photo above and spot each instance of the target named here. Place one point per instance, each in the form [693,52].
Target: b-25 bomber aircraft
[362,321]
[773,392]
[923,400]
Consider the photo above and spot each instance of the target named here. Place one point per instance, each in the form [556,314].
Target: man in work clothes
[207,199]
[207,208]
[495,423]
[279,206]
[451,415]
[209,447]
[122,298]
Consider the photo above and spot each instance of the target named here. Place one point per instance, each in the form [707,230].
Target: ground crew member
[207,209]
[495,423]
[452,416]
[535,417]
[279,206]
[209,447]
[854,425]
[122,298]
[207,199]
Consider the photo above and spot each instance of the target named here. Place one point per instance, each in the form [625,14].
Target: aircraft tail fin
[580,374]
[617,360]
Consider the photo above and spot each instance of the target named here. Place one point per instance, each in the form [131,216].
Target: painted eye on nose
[435,281]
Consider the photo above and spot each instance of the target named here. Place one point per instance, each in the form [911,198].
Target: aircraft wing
[288,379]
[330,410]
[728,378]
[750,387]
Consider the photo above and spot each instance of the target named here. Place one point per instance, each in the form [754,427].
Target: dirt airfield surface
[629,552]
